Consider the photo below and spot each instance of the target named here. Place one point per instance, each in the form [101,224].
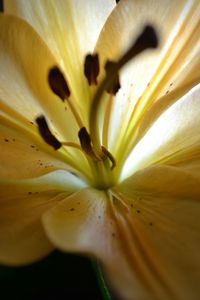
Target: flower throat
[99,158]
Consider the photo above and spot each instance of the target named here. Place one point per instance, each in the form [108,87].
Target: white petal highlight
[174,134]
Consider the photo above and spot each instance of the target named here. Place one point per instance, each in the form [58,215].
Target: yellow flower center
[101,161]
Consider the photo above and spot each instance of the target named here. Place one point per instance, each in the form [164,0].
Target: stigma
[90,142]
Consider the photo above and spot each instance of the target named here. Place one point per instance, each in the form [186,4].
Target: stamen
[58,83]
[106,121]
[46,134]
[91,68]
[49,138]
[110,156]
[71,144]
[85,142]
[59,86]
[115,86]
[146,40]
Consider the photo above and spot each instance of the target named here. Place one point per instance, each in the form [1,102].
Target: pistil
[100,160]
[146,40]
[102,163]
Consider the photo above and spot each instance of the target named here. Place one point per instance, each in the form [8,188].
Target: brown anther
[109,156]
[58,83]
[46,134]
[91,68]
[146,40]
[110,69]
[85,142]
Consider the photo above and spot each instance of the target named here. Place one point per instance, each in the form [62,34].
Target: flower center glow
[100,160]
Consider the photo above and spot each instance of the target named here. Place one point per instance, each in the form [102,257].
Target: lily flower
[100,142]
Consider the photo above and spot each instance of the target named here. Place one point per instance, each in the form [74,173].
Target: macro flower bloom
[99,137]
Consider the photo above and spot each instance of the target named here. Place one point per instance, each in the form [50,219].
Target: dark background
[58,277]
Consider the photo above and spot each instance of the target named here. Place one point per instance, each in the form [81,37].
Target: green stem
[101,281]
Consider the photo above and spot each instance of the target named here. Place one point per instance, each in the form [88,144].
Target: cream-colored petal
[154,72]
[70,29]
[60,181]
[73,224]
[24,90]
[160,106]
[173,136]
[22,203]
[25,62]
[22,236]
[25,155]
[84,223]
[163,213]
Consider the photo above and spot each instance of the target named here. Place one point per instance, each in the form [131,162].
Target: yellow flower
[124,181]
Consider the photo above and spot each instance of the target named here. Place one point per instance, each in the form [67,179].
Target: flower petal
[163,213]
[70,29]
[174,136]
[22,203]
[83,223]
[24,155]
[60,181]
[160,106]
[25,62]
[76,214]
[155,72]
[21,234]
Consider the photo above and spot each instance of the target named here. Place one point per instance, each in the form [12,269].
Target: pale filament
[107,120]
[75,113]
